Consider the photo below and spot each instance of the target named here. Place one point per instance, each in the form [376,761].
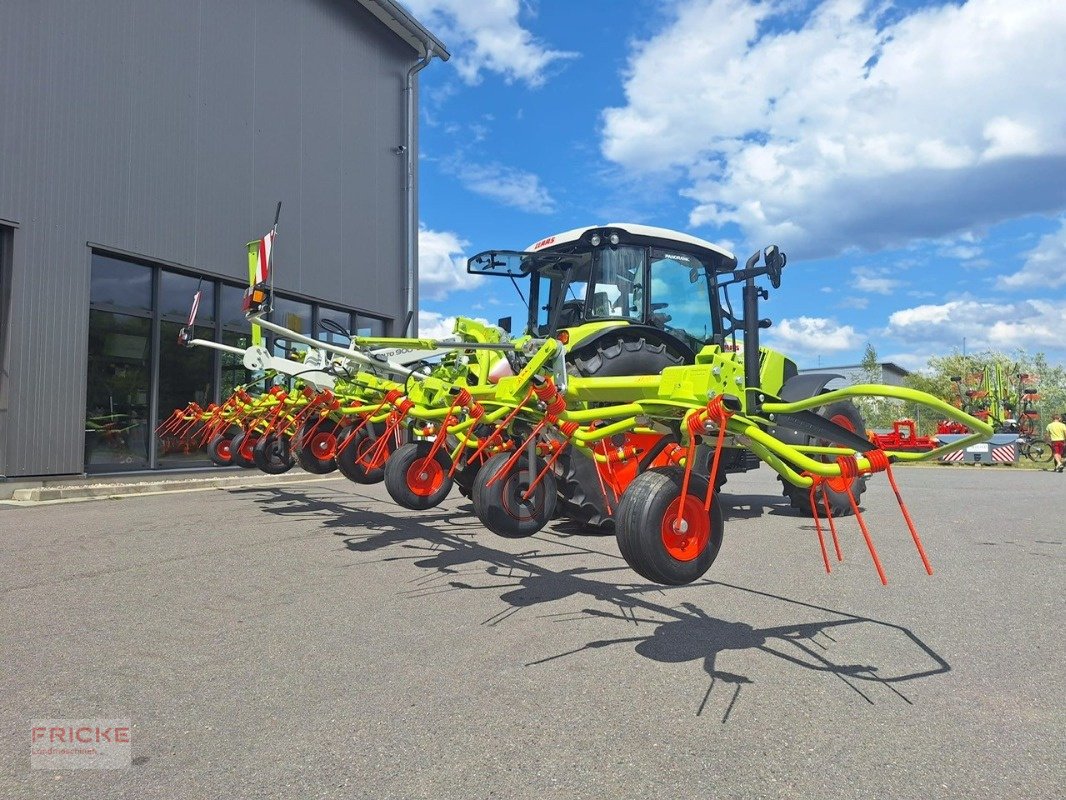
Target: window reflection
[175,298]
[120,284]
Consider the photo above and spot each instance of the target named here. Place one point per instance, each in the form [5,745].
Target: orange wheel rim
[425,476]
[324,446]
[687,541]
[247,448]
[222,449]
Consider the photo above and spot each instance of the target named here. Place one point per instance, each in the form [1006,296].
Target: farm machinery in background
[623,405]
[1007,400]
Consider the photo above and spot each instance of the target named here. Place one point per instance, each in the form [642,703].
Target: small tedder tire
[647,538]
[845,414]
[273,455]
[500,507]
[218,450]
[416,481]
[242,448]
[348,459]
[316,446]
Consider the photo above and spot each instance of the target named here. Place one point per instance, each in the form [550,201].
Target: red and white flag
[266,245]
[194,309]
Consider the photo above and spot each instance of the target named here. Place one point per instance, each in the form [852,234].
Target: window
[618,288]
[6,242]
[139,373]
[680,301]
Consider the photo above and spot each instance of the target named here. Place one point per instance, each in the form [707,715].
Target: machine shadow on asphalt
[449,549]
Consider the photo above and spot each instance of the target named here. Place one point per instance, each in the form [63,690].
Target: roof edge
[401,22]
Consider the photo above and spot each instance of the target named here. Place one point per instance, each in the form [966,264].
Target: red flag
[266,245]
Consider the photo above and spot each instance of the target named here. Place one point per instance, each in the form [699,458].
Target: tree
[877,412]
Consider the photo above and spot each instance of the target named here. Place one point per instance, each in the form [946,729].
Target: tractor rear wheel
[416,481]
[501,506]
[846,415]
[272,454]
[653,541]
[316,446]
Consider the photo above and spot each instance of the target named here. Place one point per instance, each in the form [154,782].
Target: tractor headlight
[613,238]
[595,240]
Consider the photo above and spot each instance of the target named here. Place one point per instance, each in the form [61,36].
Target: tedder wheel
[353,460]
[316,446]
[218,450]
[416,481]
[648,536]
[846,415]
[501,506]
[242,448]
[272,454]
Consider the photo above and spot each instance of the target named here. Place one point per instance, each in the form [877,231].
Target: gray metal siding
[170,129]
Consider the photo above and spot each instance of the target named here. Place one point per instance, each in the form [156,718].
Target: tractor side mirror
[693,275]
[775,262]
[505,323]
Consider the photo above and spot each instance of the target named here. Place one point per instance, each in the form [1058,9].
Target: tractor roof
[636,230]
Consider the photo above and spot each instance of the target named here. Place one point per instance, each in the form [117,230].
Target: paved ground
[312,641]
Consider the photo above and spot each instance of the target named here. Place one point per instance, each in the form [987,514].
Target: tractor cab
[588,283]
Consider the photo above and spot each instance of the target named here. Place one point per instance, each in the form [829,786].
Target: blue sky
[909,157]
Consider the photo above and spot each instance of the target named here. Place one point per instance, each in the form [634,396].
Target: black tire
[1039,451]
[315,446]
[272,454]
[243,449]
[500,507]
[362,444]
[414,480]
[581,498]
[645,533]
[846,414]
[218,450]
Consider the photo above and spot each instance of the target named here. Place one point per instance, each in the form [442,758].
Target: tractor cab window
[618,284]
[680,299]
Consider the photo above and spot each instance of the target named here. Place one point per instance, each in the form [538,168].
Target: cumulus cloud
[442,263]
[811,335]
[874,281]
[434,325]
[1028,324]
[1045,264]
[851,128]
[487,35]
[508,185]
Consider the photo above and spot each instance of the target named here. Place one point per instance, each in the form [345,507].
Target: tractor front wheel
[414,479]
[847,416]
[661,540]
[500,501]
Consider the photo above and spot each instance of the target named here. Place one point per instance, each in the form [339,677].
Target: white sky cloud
[847,129]
[434,325]
[442,264]
[811,335]
[874,281]
[487,35]
[508,185]
[1030,324]
[1045,264]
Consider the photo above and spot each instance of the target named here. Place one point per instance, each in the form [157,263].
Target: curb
[117,490]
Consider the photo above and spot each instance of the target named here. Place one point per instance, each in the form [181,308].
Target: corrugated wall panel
[170,130]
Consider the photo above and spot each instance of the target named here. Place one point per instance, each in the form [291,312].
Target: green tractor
[630,300]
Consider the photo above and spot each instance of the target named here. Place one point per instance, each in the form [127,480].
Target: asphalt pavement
[314,640]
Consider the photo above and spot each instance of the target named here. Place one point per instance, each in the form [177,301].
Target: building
[890,374]
[141,145]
